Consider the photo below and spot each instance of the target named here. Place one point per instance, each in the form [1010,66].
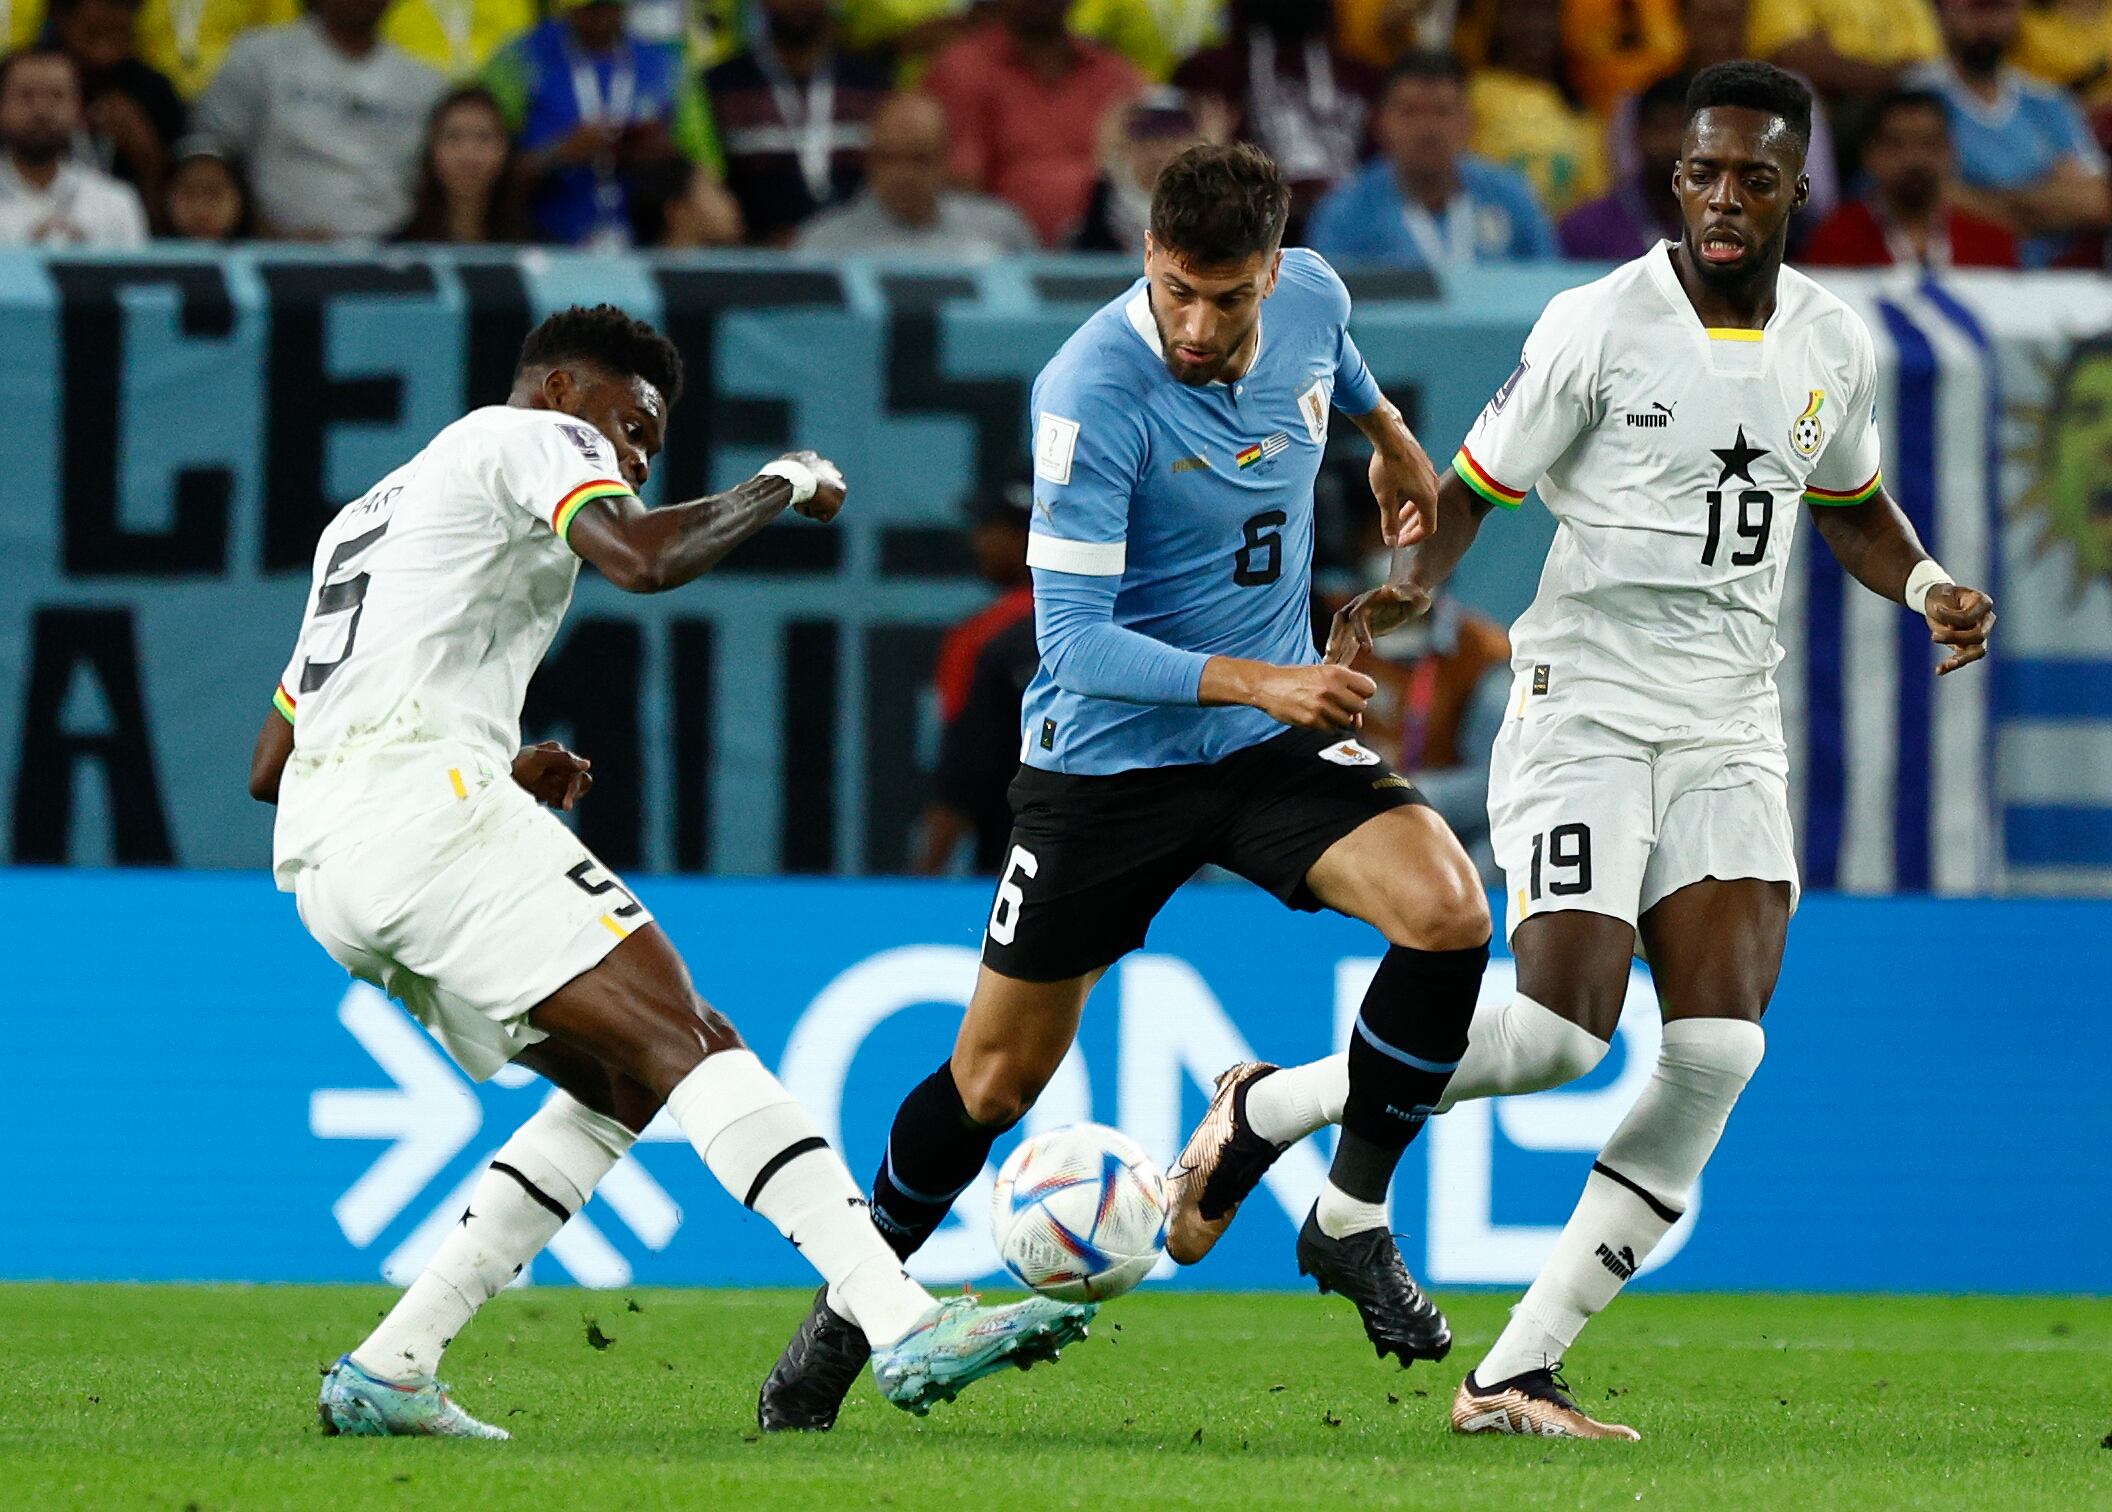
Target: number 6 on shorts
[1004,913]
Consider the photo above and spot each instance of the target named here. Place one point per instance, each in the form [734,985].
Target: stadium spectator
[1906,217]
[1425,201]
[794,118]
[2069,43]
[456,37]
[1379,33]
[1282,85]
[1523,118]
[2025,156]
[327,118]
[1149,134]
[1617,47]
[906,206]
[1642,209]
[1025,101]
[1845,48]
[703,214]
[983,668]
[468,193]
[608,127]
[133,112]
[47,197]
[1153,34]
[188,40]
[207,198]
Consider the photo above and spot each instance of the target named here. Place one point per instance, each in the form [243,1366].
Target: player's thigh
[1013,1037]
[1091,862]
[1405,873]
[1320,821]
[1576,964]
[637,1012]
[1715,947]
[1572,821]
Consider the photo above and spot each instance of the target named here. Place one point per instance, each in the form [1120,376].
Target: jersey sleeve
[555,467]
[1356,391]
[1089,452]
[1847,471]
[1550,399]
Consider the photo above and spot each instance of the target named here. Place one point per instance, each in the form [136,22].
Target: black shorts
[1093,859]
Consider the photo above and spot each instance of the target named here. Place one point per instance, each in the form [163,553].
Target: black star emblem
[1737,458]
[467,1214]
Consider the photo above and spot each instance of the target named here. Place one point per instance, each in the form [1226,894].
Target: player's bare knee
[1443,908]
[997,1092]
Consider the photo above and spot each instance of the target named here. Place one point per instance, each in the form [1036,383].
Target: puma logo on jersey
[1657,417]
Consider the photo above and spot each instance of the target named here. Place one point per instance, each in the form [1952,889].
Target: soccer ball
[1080,1213]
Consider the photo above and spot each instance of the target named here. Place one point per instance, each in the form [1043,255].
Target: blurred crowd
[1418,133]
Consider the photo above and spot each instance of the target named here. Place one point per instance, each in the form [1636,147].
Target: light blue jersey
[1178,514]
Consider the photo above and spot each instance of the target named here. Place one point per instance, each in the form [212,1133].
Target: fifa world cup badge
[1806,434]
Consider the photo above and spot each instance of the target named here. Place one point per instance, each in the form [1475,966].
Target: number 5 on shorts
[1004,914]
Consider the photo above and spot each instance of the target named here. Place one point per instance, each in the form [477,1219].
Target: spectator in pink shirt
[1026,100]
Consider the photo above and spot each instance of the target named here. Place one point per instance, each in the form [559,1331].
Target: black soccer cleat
[1367,1269]
[806,1388]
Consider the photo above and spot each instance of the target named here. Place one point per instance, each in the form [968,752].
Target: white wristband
[1926,575]
[798,474]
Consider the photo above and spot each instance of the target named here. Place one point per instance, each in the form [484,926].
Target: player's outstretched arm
[1876,542]
[1420,568]
[644,550]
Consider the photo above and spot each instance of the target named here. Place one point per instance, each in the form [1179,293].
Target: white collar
[12,182]
[1138,310]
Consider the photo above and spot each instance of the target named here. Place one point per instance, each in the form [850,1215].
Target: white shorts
[1586,816]
[470,915]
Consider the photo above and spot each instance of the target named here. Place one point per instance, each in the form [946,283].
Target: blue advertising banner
[192,1090]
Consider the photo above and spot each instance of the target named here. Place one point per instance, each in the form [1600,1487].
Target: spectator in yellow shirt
[1379,33]
[1846,47]
[186,39]
[2069,43]
[1617,48]
[456,37]
[1523,120]
[21,22]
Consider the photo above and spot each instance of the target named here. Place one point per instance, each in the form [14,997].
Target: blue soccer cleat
[365,1406]
[960,1341]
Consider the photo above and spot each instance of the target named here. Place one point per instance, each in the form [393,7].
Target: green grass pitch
[203,1397]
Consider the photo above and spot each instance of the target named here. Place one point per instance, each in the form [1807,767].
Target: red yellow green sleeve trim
[571,504]
[282,701]
[1852,496]
[1478,478]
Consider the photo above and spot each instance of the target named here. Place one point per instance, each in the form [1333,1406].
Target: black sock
[934,1150]
[1409,1037]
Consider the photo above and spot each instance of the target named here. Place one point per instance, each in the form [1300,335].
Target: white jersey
[433,601]
[1673,458]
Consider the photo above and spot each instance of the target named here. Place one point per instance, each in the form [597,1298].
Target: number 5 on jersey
[1004,913]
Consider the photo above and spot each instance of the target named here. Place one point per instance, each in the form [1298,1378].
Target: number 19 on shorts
[1562,858]
[1004,913]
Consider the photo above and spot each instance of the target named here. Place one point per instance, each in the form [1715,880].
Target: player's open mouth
[1193,356]
[1721,247]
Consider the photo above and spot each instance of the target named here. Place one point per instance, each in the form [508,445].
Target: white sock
[1635,1192]
[1340,1215]
[1520,1046]
[1288,1104]
[765,1151]
[1513,1046]
[540,1177]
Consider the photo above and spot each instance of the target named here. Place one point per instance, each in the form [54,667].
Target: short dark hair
[1909,99]
[1214,206]
[1427,63]
[611,340]
[1747,85]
